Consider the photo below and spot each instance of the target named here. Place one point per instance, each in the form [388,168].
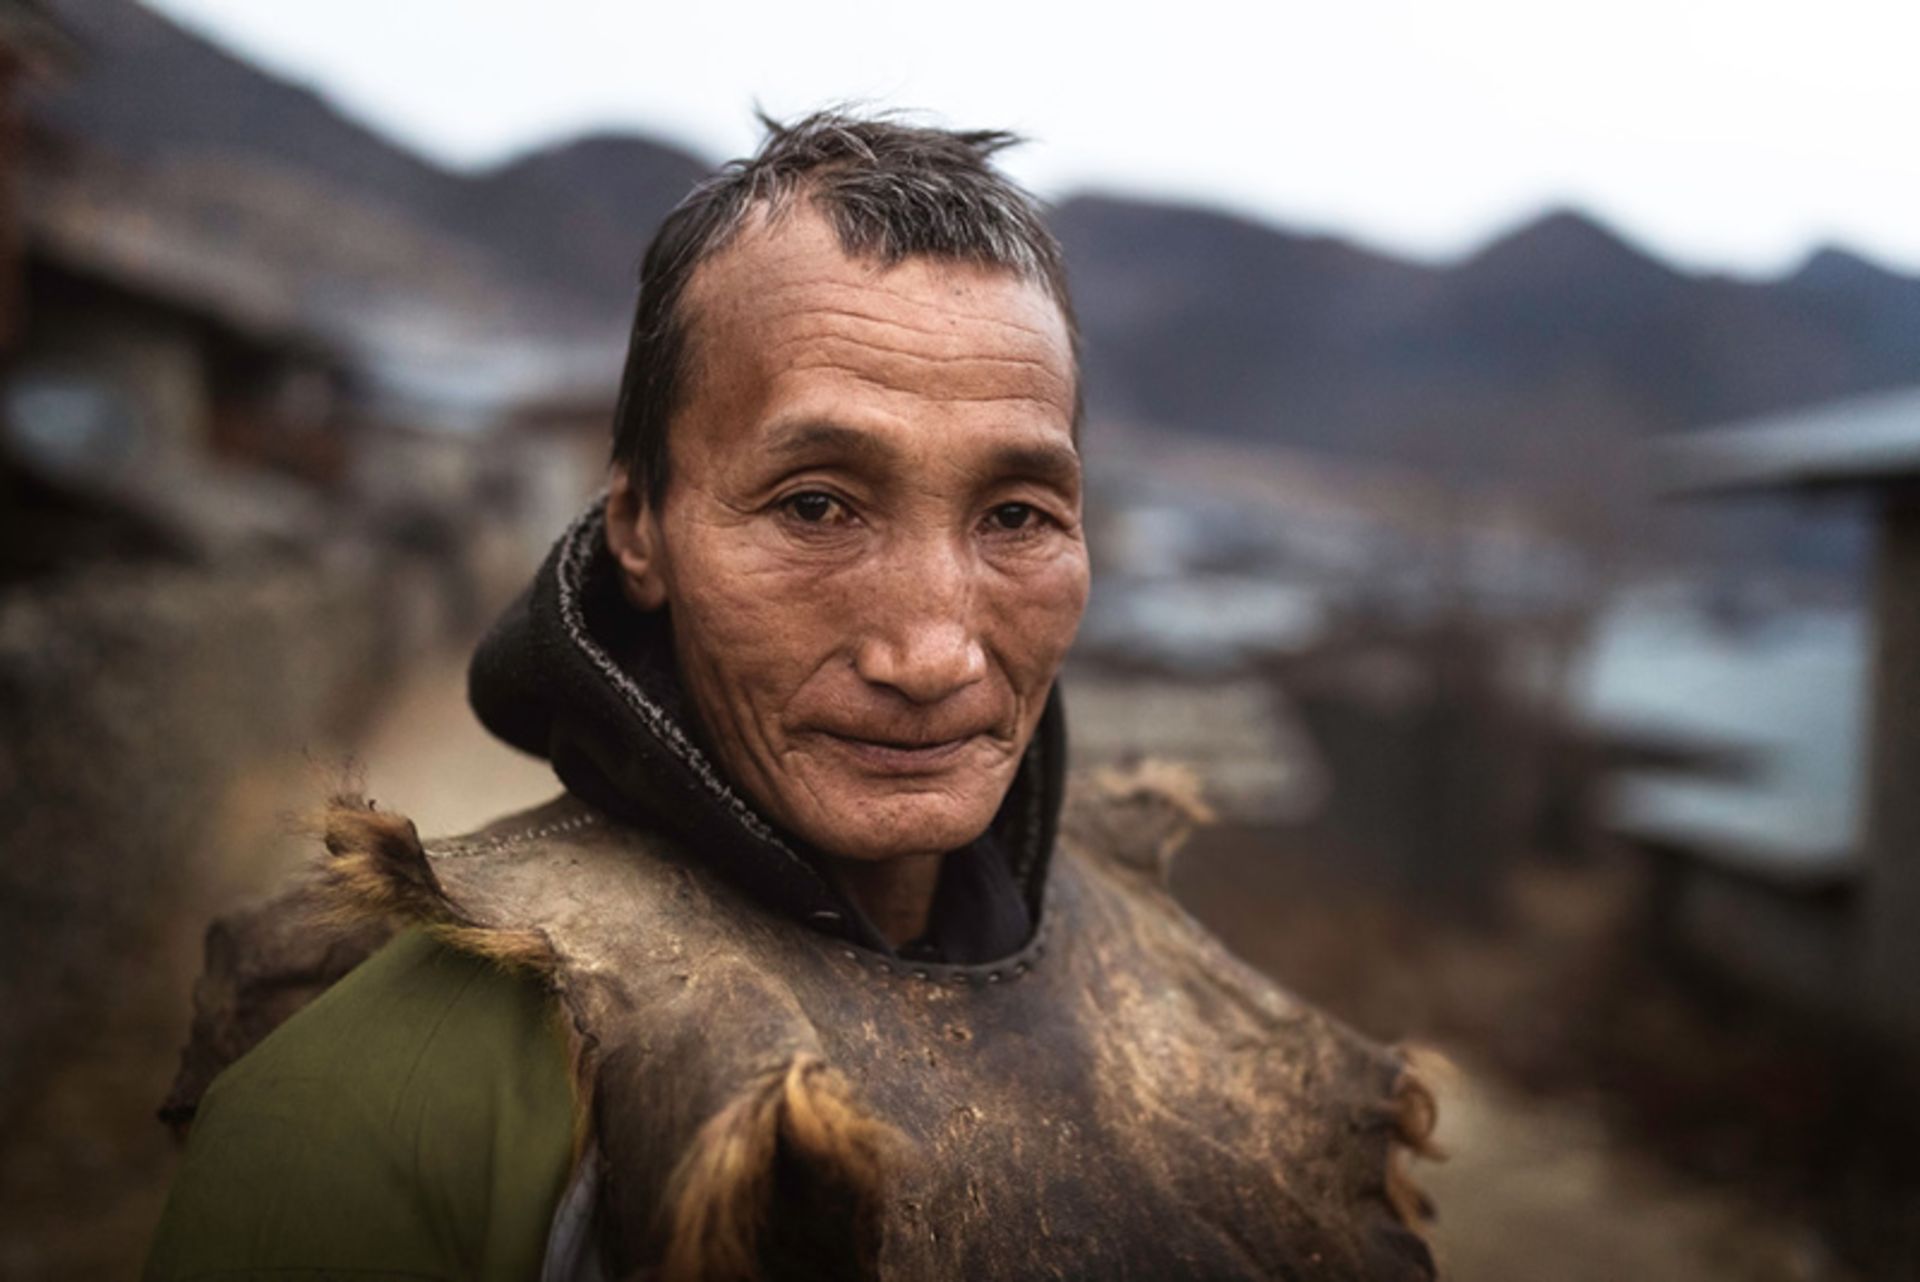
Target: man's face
[871,547]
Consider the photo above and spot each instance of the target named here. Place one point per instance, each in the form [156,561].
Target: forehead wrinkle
[815,331]
[987,314]
[1048,404]
[1045,403]
[766,294]
[894,353]
[982,299]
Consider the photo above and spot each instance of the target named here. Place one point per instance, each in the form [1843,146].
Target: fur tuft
[525,950]
[1174,785]
[1414,1114]
[375,863]
[377,868]
[797,1128]
[1140,815]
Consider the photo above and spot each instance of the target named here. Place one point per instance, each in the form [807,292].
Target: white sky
[1731,134]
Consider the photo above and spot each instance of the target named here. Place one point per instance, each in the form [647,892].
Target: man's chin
[887,822]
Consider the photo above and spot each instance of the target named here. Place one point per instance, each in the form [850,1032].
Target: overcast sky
[1730,134]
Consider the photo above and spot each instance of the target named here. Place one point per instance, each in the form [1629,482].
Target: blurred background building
[1543,621]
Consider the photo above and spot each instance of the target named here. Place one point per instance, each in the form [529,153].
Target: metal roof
[1861,441]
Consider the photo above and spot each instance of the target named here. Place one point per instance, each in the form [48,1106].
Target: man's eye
[1013,516]
[814,508]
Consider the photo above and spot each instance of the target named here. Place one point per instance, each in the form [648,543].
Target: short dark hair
[891,191]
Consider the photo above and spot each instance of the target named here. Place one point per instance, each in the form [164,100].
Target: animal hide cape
[1121,1098]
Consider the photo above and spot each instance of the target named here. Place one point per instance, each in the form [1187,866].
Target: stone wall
[131,700]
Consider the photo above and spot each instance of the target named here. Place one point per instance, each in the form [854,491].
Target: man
[791,983]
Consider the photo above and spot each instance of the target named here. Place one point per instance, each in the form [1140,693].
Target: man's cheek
[1040,618]
[764,645]
[744,611]
[771,591]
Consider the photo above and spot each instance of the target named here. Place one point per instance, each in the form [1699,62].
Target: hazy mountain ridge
[581,211]
[1556,334]
[1217,324]
[149,93]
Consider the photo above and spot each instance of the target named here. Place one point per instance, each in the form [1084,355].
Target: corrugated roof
[271,255]
[1866,440]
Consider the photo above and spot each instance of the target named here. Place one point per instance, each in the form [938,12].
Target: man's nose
[920,637]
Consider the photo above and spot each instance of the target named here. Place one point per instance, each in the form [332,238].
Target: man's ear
[633,536]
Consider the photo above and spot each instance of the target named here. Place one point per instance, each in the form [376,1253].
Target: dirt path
[430,760]
[1539,1191]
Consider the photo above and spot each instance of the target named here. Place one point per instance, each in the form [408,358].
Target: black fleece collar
[573,673]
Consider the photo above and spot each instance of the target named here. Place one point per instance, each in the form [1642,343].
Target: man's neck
[895,894]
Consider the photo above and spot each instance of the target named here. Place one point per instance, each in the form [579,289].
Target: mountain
[147,90]
[1552,344]
[581,212]
[1876,311]
[1197,319]
[563,224]
[1554,331]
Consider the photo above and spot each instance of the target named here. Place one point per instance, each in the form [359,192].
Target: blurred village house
[261,444]
[1795,865]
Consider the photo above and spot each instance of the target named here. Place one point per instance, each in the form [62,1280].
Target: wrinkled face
[871,545]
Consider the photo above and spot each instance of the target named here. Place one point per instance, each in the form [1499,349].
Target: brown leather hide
[1123,1099]
[262,963]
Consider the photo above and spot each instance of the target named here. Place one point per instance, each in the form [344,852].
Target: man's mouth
[898,756]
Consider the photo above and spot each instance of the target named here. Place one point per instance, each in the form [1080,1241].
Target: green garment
[415,1121]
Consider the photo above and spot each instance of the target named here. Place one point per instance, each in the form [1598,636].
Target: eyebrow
[830,438]
[1049,463]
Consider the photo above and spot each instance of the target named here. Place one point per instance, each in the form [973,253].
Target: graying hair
[890,190]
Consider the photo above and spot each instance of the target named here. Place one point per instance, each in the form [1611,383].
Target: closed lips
[901,745]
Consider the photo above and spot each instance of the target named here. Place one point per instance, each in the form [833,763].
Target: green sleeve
[415,1121]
